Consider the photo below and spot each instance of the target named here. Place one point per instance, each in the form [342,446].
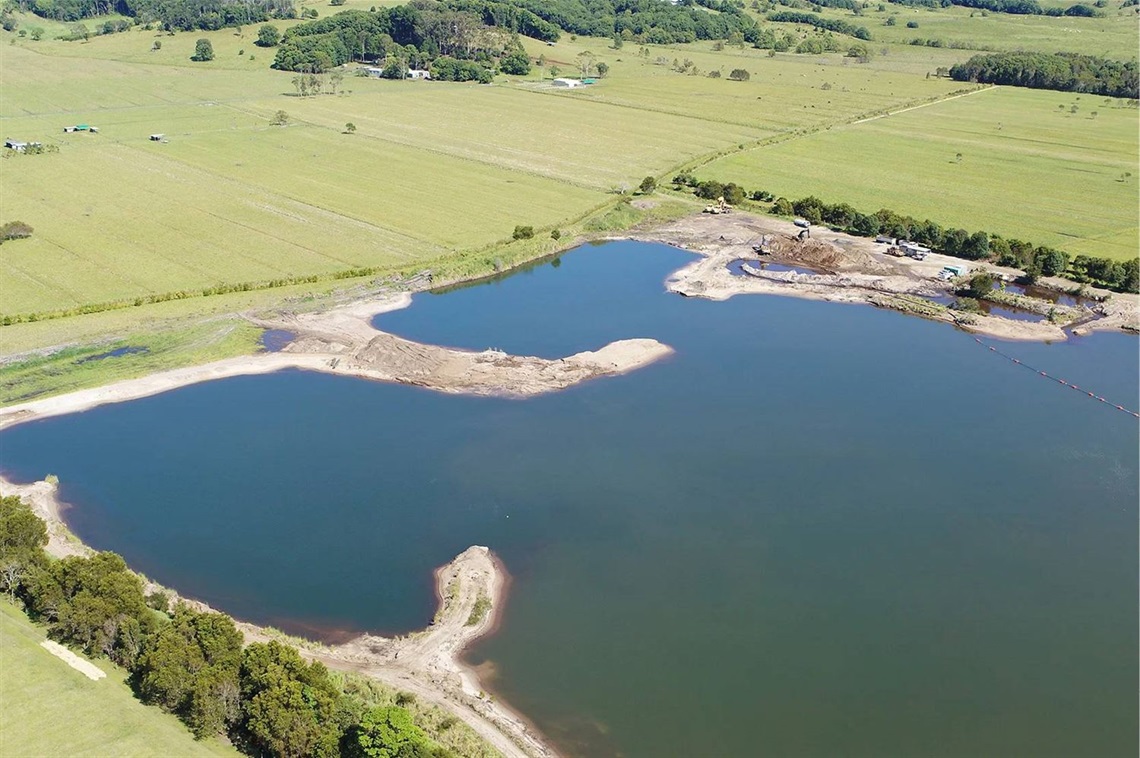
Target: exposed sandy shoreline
[857,270]
[427,663]
[342,341]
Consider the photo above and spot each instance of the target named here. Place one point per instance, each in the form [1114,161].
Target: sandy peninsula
[343,341]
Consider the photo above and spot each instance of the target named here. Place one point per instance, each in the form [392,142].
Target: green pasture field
[1113,36]
[1030,168]
[52,709]
[784,93]
[433,169]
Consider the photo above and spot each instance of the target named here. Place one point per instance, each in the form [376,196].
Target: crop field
[1030,168]
[52,709]
[1113,36]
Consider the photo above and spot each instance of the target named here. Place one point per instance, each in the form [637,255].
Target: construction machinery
[720,207]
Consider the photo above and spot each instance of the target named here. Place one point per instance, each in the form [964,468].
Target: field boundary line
[924,105]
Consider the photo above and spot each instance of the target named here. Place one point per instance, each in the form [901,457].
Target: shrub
[739,75]
[203,51]
[523,232]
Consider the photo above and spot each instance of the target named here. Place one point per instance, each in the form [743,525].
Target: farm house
[418,73]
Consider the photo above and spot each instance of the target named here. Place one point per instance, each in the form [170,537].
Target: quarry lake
[815,530]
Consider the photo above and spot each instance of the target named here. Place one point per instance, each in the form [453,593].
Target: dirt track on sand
[849,269]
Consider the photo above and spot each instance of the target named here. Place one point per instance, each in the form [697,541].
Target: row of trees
[819,22]
[1035,260]
[1017,7]
[649,21]
[172,15]
[265,697]
[1068,72]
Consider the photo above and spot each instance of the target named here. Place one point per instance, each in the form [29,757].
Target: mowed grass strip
[566,138]
[52,709]
[1029,168]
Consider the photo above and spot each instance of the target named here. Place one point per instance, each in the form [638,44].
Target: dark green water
[817,530]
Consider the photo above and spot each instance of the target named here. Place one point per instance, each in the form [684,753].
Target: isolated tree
[157,45]
[739,75]
[15,230]
[350,128]
[647,186]
[603,69]
[336,78]
[267,36]
[36,33]
[80,31]
[981,284]
[586,62]
[515,64]
[280,118]
[523,232]
[203,51]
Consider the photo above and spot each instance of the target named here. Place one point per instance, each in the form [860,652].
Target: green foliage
[280,118]
[290,708]
[203,51]
[1067,72]
[515,64]
[15,230]
[350,128]
[267,36]
[648,185]
[820,22]
[980,286]
[190,667]
[479,610]
[22,540]
[94,603]
[739,75]
[387,732]
[522,232]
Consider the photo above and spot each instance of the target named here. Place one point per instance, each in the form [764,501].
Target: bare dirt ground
[426,663]
[343,341]
[849,269]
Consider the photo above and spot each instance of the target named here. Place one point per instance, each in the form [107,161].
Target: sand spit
[343,341]
[847,269]
[427,663]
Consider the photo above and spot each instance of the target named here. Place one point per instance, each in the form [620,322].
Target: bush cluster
[192,663]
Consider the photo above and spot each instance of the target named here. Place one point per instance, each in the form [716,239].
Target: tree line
[1015,7]
[457,45]
[1067,72]
[819,22]
[1034,260]
[264,697]
[171,15]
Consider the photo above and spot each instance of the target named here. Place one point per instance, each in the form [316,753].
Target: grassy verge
[99,363]
[51,709]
